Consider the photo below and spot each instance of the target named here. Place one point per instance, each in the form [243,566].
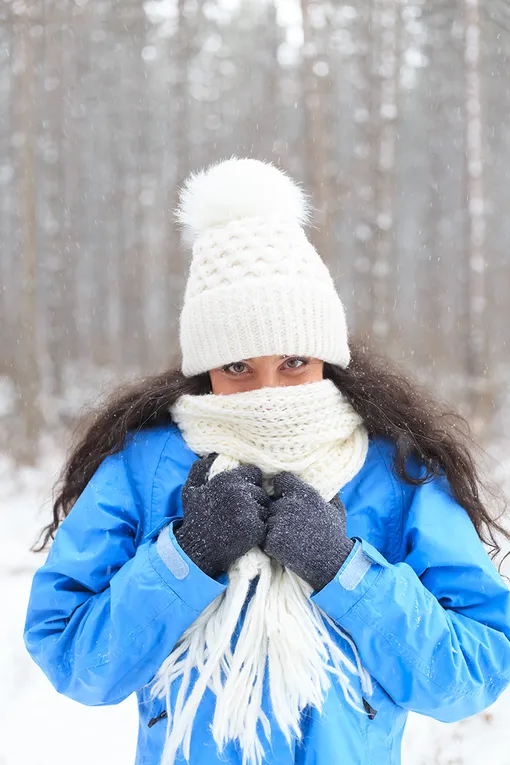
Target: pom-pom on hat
[256,285]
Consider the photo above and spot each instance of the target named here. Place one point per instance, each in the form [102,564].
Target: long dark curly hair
[390,403]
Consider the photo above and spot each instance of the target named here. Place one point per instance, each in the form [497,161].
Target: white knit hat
[256,286]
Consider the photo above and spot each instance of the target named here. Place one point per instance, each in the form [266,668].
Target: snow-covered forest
[395,116]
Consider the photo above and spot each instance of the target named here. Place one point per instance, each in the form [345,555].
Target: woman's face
[265,372]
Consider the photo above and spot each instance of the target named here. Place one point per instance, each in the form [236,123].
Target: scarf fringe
[284,632]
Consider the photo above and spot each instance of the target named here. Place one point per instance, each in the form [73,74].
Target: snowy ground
[39,727]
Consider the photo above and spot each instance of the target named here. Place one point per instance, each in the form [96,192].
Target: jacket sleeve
[434,629]
[106,608]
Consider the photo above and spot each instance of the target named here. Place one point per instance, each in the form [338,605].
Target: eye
[296,362]
[236,368]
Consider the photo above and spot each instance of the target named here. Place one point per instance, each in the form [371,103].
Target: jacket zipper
[157,719]
[371,712]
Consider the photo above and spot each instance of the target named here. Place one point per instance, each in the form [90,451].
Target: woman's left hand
[304,532]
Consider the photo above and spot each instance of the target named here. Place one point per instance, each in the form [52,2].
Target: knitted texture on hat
[312,431]
[256,285]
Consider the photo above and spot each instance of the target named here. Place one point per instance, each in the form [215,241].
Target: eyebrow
[255,357]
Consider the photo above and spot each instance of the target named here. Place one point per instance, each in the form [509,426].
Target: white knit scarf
[312,431]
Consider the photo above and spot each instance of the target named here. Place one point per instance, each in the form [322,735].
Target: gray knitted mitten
[304,532]
[222,518]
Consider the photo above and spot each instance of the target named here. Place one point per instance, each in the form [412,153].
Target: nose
[269,378]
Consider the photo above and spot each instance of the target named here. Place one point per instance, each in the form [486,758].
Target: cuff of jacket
[359,572]
[185,578]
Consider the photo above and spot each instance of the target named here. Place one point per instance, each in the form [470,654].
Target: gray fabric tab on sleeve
[355,570]
[170,555]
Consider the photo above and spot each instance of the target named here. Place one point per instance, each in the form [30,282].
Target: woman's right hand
[223,517]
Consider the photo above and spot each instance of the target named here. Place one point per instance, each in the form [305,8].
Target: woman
[278,547]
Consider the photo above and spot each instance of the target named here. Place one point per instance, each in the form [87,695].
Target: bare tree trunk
[431,271]
[383,270]
[271,111]
[27,367]
[133,336]
[318,140]
[180,47]
[52,266]
[8,274]
[479,394]
[68,173]
[365,152]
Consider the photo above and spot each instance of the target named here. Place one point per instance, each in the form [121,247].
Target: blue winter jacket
[428,611]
